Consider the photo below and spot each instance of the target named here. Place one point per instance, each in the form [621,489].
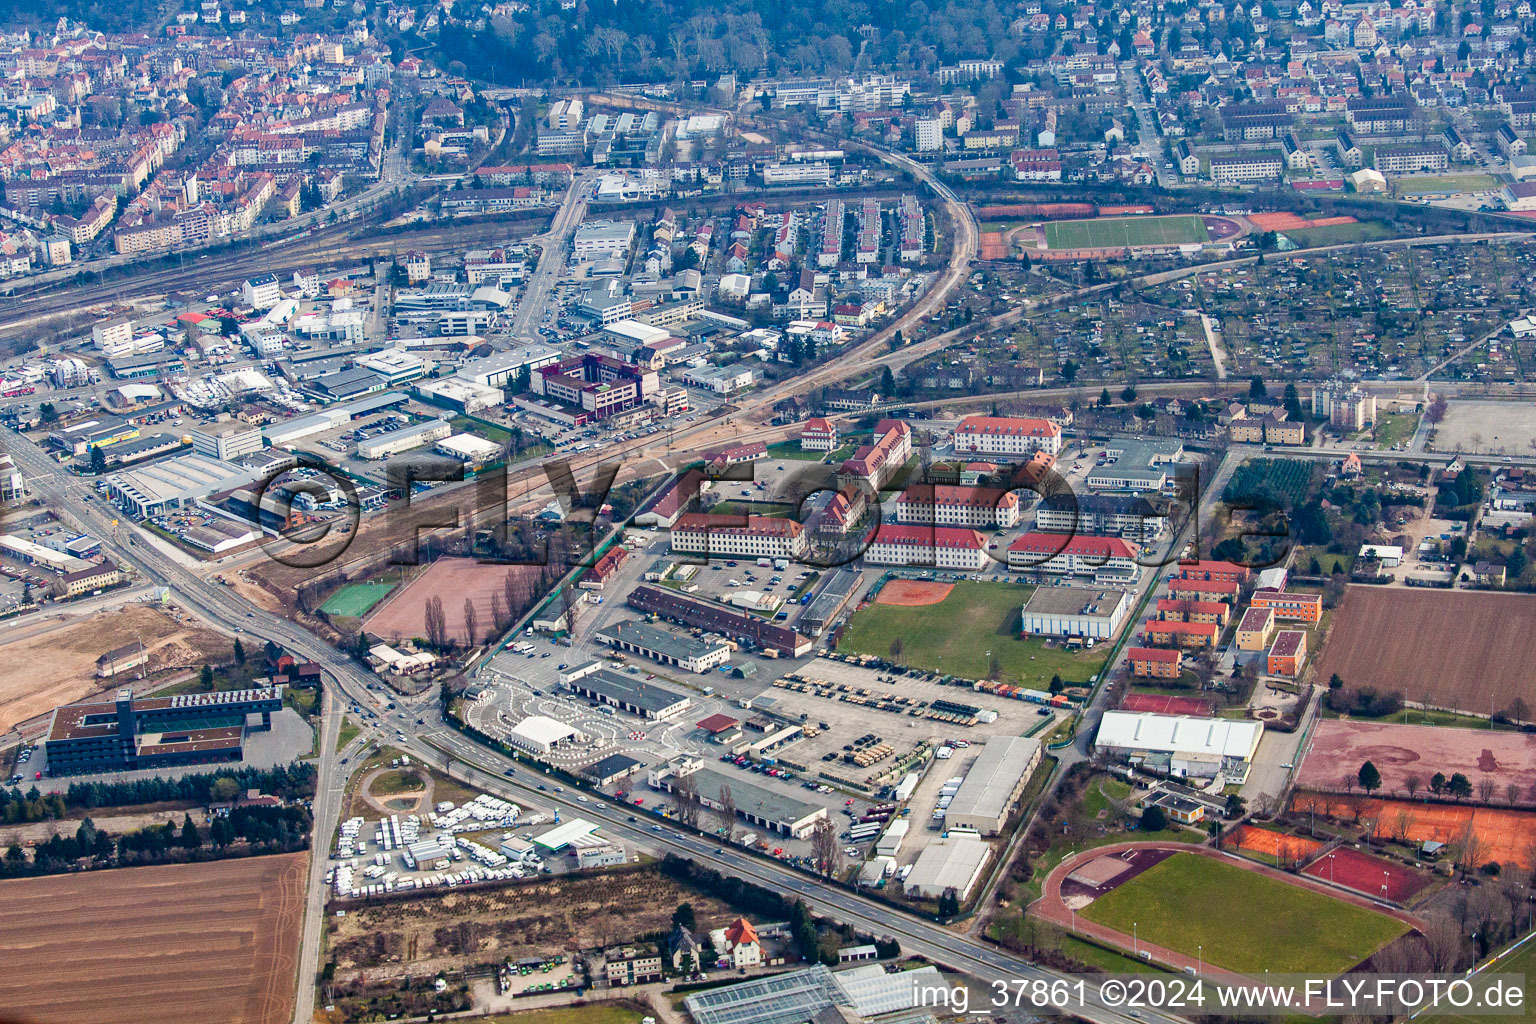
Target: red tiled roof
[929,536]
[1096,547]
[1152,654]
[1008,426]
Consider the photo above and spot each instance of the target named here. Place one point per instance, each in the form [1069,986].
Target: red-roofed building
[670,505]
[1153,662]
[873,465]
[1178,609]
[1181,634]
[843,512]
[604,568]
[739,454]
[987,508]
[1082,555]
[1007,435]
[1288,654]
[1287,605]
[1205,570]
[743,945]
[1202,590]
[721,728]
[942,547]
[819,435]
[731,536]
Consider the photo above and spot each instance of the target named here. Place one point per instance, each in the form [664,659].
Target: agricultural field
[1395,639]
[355,599]
[1246,922]
[1119,232]
[178,944]
[54,663]
[955,635]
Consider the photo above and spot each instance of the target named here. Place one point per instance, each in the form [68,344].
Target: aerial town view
[557,512]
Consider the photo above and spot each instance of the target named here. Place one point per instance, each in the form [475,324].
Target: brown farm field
[57,665]
[178,944]
[1460,650]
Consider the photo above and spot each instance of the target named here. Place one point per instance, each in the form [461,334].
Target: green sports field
[1245,921]
[1522,962]
[1119,232]
[353,600]
[955,635]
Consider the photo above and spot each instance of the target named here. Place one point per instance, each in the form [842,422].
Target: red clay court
[1397,751]
[1271,844]
[1365,874]
[913,593]
[1292,222]
[1506,833]
[1163,704]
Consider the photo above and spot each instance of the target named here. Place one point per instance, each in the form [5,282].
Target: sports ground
[1365,874]
[1522,961]
[455,581]
[1242,919]
[1338,748]
[1120,232]
[1271,845]
[353,600]
[955,635]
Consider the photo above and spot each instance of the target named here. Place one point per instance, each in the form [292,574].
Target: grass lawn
[1396,428]
[1339,234]
[1325,561]
[1118,232]
[1418,186]
[1060,850]
[1105,959]
[347,733]
[1246,922]
[354,599]
[955,635]
[1523,962]
[772,510]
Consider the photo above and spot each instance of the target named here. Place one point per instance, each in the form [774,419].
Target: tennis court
[353,600]
[1120,232]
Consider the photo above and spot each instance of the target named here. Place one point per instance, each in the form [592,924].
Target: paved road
[556,242]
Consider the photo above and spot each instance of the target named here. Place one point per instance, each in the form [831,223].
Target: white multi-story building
[227,440]
[1073,556]
[819,435]
[113,337]
[986,508]
[927,134]
[1237,169]
[261,291]
[729,536]
[941,547]
[1007,435]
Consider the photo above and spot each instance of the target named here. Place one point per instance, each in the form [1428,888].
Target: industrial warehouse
[993,785]
[1179,745]
[156,732]
[648,699]
[666,647]
[1092,613]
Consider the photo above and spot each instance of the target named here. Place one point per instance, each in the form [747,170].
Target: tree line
[288,782]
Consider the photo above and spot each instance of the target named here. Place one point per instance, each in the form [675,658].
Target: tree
[1056,683]
[1256,388]
[887,381]
[471,622]
[725,813]
[825,852]
[949,902]
[1128,395]
[239,652]
[684,917]
[223,790]
[436,623]
[498,612]
[190,839]
[98,459]
[1460,786]
[205,678]
[1154,819]
[570,603]
[1436,410]
[1335,682]
[1516,563]
[1485,788]
[1105,399]
[1069,371]
[686,792]
[1437,783]
[1369,778]
[1411,783]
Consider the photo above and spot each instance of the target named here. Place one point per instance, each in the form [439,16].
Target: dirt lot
[58,666]
[1395,639]
[1339,748]
[1490,427]
[161,945]
[561,915]
[404,613]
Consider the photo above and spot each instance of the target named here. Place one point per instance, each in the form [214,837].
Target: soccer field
[1523,962]
[955,635]
[1245,921]
[354,600]
[1119,232]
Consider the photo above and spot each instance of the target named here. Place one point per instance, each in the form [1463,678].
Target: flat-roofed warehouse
[954,862]
[666,647]
[1181,745]
[829,602]
[1092,612]
[173,483]
[645,698]
[756,805]
[994,784]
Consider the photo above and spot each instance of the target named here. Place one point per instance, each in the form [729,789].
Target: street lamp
[1199,958]
[1330,869]
[1135,948]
